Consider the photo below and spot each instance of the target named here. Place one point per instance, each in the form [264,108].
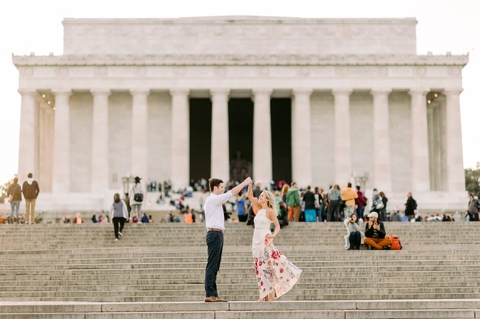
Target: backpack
[477,203]
[396,243]
[138,197]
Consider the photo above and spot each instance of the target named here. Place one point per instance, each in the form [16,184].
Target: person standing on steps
[14,194]
[275,274]
[215,223]
[30,191]
[136,198]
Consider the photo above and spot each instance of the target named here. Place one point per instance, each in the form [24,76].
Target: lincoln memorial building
[316,101]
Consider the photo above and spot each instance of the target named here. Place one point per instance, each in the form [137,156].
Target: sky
[36,26]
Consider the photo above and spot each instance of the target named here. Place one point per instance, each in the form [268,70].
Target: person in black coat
[410,206]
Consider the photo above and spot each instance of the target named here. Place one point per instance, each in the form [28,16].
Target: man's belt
[215,230]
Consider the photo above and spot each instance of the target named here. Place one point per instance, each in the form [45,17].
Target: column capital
[179,92]
[300,91]
[342,91]
[262,91]
[100,91]
[140,92]
[219,91]
[418,91]
[62,93]
[380,91]
[26,92]
[453,91]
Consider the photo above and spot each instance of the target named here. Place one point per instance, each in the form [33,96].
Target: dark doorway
[200,138]
[281,119]
[240,127]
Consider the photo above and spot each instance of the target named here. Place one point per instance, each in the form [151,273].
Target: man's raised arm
[240,186]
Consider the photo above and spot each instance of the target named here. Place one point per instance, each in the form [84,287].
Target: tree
[472,181]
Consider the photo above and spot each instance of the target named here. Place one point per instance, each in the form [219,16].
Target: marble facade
[116,103]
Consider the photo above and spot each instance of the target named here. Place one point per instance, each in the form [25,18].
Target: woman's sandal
[271,296]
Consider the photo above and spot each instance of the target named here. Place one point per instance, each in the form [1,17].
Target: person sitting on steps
[375,233]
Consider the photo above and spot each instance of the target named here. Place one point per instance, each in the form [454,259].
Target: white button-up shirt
[214,217]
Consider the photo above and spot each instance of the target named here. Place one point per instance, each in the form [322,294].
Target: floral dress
[272,269]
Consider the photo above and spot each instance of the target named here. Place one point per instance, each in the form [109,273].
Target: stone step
[346,309]
[160,263]
[149,295]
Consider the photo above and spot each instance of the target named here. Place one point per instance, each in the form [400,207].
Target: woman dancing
[275,274]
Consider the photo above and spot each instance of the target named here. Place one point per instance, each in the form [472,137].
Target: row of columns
[262,150]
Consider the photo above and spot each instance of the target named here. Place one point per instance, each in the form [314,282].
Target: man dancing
[215,223]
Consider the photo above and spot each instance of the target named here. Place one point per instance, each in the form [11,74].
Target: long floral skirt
[274,271]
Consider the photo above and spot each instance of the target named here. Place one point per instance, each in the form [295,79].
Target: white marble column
[43,136]
[454,157]
[47,184]
[262,137]
[100,170]
[180,174]
[301,138]
[26,156]
[382,178]
[220,163]
[420,157]
[61,148]
[139,160]
[342,144]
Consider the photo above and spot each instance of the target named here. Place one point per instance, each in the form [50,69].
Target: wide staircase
[157,271]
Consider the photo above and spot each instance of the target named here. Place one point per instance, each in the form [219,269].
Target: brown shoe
[221,300]
[211,299]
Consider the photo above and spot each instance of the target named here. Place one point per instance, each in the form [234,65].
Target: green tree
[472,181]
[4,190]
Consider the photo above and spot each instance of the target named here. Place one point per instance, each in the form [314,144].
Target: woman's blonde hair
[270,199]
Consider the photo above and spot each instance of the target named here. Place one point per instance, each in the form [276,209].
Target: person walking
[14,194]
[118,215]
[136,198]
[275,274]
[472,211]
[383,211]
[30,191]
[293,202]
[361,203]
[215,223]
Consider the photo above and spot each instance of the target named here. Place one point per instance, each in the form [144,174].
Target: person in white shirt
[215,223]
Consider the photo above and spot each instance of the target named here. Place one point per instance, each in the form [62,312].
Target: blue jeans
[319,211]
[215,246]
[14,205]
[355,239]
[360,210]
[384,215]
